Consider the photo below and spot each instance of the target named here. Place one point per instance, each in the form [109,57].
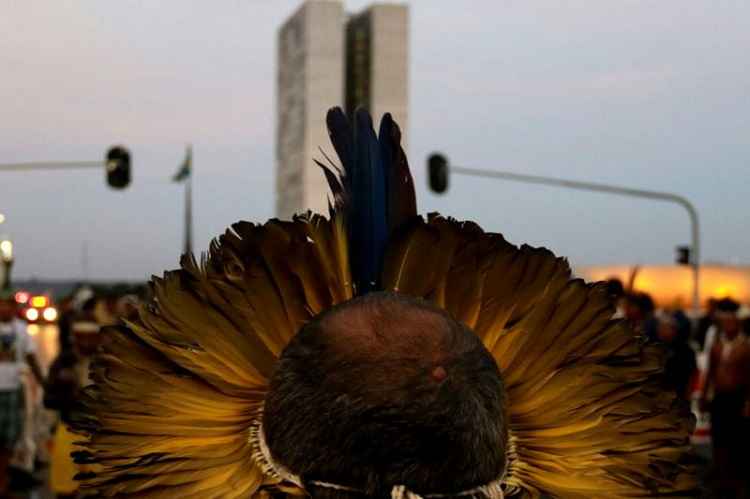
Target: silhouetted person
[729,377]
[17,353]
[705,322]
[639,313]
[69,374]
[674,331]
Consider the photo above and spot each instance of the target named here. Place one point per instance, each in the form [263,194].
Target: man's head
[386,390]
[638,306]
[726,315]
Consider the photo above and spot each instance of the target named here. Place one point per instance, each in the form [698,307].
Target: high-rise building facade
[376,66]
[310,65]
[325,60]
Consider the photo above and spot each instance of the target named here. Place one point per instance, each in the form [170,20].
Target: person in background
[616,290]
[69,374]
[705,323]
[707,339]
[17,353]
[639,313]
[674,332]
[729,378]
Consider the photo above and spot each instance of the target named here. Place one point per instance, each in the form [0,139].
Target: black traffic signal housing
[437,172]
[683,255]
[118,167]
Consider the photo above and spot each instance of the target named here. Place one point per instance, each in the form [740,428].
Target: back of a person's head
[385,390]
[615,288]
[727,306]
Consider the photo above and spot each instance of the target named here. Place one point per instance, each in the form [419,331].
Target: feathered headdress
[178,396]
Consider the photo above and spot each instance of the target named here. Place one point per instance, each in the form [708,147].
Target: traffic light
[683,255]
[118,167]
[437,170]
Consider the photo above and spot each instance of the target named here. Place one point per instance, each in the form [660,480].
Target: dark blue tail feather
[374,189]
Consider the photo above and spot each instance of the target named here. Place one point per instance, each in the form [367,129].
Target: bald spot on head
[386,389]
[390,341]
[386,327]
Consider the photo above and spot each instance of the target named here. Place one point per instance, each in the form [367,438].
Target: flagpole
[189,209]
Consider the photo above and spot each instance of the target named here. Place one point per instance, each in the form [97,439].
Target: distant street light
[6,257]
[6,250]
[2,218]
[439,170]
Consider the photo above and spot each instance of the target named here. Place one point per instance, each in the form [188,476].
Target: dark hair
[387,390]
[615,289]
[90,304]
[643,302]
[727,305]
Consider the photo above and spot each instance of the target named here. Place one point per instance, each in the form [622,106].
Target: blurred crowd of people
[707,364]
[36,408]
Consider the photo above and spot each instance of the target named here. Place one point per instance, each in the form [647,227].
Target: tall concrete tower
[377,62]
[325,60]
[310,66]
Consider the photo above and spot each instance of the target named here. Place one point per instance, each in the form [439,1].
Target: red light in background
[22,297]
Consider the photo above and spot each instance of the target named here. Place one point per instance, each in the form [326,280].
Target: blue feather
[368,229]
[373,209]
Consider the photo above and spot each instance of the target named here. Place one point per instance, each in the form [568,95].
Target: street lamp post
[439,174]
[116,166]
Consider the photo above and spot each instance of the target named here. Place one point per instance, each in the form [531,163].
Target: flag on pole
[185,167]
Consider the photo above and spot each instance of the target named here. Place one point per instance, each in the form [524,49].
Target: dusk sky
[646,94]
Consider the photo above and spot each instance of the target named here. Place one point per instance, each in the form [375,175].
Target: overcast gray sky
[640,93]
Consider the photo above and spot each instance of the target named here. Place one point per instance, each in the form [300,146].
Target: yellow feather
[177,390]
